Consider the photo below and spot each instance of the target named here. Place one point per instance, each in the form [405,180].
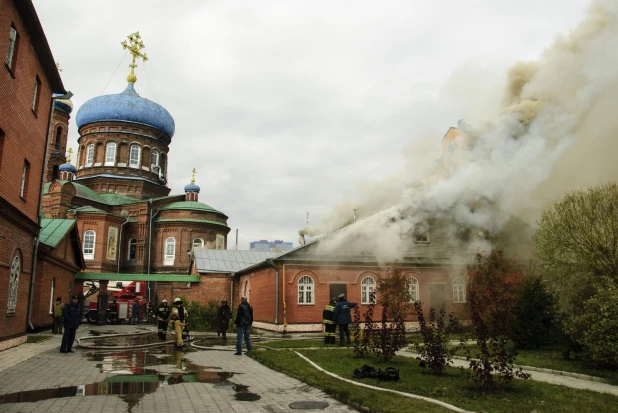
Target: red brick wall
[212,287]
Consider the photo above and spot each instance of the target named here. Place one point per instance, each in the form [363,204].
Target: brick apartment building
[28,80]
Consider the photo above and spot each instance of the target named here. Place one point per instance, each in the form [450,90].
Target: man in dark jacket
[343,317]
[244,319]
[224,315]
[135,312]
[163,315]
[72,318]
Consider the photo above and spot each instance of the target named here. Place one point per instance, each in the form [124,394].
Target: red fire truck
[124,298]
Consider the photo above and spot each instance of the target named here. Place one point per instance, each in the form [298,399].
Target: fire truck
[124,297]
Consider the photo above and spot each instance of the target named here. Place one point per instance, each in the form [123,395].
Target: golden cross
[193,177]
[135,45]
[69,157]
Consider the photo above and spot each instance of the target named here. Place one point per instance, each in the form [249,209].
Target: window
[134,156]
[89,242]
[110,153]
[368,290]
[132,244]
[154,158]
[414,290]
[11,51]
[51,296]
[421,233]
[36,94]
[305,290]
[198,243]
[90,154]
[13,285]
[57,140]
[459,290]
[24,179]
[170,251]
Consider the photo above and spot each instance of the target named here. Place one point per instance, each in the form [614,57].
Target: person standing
[178,320]
[243,322]
[329,325]
[72,318]
[58,319]
[163,314]
[135,312]
[343,317]
[150,312]
[224,315]
[113,312]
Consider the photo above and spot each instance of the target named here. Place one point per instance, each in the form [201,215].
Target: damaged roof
[227,261]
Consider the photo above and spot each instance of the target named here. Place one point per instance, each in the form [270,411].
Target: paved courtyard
[191,381]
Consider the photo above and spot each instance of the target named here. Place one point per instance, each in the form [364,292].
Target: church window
[90,154]
[134,156]
[36,94]
[170,251]
[414,290]
[57,141]
[421,234]
[198,243]
[368,290]
[11,52]
[305,290]
[459,290]
[110,153]
[24,179]
[14,284]
[154,158]
[132,244]
[89,243]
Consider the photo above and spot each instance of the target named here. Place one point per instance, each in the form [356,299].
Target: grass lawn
[37,339]
[453,388]
[552,359]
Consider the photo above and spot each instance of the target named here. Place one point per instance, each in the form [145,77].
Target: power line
[110,79]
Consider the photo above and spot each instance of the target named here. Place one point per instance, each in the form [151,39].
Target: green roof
[136,277]
[191,206]
[201,221]
[116,199]
[53,230]
[90,210]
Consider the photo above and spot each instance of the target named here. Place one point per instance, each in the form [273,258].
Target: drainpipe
[270,263]
[232,289]
[150,242]
[126,221]
[285,305]
[39,211]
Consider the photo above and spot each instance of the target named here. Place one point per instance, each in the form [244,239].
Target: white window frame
[110,154]
[415,289]
[35,95]
[200,245]
[24,179]
[170,246]
[132,243]
[90,154]
[89,251]
[459,290]
[10,52]
[13,285]
[154,159]
[306,294]
[134,162]
[368,285]
[51,296]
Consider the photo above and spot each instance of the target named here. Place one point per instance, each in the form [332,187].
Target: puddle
[244,395]
[135,362]
[98,333]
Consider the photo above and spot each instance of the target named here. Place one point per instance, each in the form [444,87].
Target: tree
[577,242]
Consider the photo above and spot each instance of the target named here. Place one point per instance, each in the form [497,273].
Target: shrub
[202,317]
[434,351]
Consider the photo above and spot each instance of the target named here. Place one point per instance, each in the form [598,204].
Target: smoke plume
[556,131]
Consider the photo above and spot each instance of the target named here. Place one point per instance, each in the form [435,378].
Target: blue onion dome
[192,187]
[67,167]
[127,106]
[64,105]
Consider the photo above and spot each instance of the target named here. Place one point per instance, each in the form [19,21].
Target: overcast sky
[286,107]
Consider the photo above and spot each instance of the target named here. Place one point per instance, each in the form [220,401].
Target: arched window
[198,243]
[110,153]
[305,290]
[368,289]
[170,251]
[90,154]
[89,243]
[246,290]
[13,285]
[134,154]
[414,290]
[459,290]
[57,138]
[154,158]
[132,243]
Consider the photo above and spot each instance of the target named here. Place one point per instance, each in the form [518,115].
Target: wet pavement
[161,378]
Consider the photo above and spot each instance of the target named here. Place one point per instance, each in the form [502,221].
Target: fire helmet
[164,300]
[177,300]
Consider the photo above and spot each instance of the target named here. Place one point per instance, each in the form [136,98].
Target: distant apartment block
[276,245]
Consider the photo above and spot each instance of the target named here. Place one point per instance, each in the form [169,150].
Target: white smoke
[556,131]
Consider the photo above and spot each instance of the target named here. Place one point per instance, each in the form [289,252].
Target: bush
[202,317]
[434,350]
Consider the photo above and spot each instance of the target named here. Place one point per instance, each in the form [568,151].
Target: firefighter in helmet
[179,321]
[163,314]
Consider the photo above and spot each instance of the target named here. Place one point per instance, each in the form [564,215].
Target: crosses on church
[135,45]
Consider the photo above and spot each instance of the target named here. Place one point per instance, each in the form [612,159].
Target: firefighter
[329,325]
[150,312]
[179,321]
[163,314]
[113,312]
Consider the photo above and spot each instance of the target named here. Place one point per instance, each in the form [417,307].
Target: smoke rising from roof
[554,132]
